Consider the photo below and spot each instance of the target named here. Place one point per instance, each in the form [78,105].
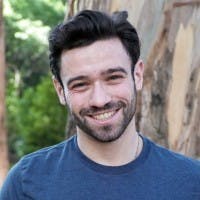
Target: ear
[60,91]
[138,74]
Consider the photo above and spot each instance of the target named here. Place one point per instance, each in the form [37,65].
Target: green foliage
[25,53]
[50,12]
[38,118]
[27,24]
[34,117]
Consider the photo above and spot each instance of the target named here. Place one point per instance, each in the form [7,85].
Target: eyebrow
[113,70]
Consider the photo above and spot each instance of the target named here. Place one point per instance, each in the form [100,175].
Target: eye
[79,86]
[113,79]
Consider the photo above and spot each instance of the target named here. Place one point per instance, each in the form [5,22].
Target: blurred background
[169,104]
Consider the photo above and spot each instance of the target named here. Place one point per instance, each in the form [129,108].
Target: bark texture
[169,107]
[3,137]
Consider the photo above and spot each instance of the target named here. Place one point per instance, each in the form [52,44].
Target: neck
[116,153]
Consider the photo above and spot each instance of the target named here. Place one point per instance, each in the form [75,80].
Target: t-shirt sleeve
[12,187]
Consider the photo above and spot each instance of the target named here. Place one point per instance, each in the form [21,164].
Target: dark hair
[87,27]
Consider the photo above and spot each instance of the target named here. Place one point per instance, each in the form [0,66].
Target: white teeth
[103,116]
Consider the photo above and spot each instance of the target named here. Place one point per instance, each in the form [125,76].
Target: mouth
[104,116]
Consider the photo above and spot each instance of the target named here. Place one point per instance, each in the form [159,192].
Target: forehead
[94,59]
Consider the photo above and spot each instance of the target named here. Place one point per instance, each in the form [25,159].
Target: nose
[99,96]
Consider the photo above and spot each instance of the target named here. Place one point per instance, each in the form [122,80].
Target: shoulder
[43,159]
[47,156]
[33,167]
[173,161]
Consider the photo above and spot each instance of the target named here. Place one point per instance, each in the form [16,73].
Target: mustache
[109,106]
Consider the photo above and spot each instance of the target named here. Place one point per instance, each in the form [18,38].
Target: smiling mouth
[104,116]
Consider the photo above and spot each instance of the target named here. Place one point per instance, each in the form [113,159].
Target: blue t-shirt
[63,172]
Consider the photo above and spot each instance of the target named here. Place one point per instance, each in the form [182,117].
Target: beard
[111,132]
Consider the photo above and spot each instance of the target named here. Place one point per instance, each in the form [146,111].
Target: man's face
[99,88]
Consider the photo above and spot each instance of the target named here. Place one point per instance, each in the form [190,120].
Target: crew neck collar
[114,169]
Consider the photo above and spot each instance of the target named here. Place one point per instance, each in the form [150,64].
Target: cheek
[76,101]
[123,91]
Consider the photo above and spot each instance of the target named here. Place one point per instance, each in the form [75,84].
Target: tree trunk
[168,111]
[3,137]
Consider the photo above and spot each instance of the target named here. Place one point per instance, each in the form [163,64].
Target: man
[97,72]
